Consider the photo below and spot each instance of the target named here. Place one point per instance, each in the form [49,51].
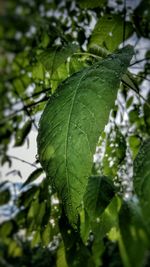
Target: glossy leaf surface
[72,123]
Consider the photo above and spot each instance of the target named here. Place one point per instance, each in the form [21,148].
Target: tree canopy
[76,73]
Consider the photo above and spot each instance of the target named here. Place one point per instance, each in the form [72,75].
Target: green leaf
[6,228]
[14,249]
[52,58]
[71,124]
[99,192]
[21,134]
[5,196]
[58,76]
[61,259]
[33,176]
[77,254]
[46,235]
[129,102]
[38,72]
[102,227]
[85,225]
[75,64]
[141,180]
[26,197]
[36,239]
[108,32]
[134,143]
[133,241]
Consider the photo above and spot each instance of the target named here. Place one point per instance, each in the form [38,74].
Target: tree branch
[22,109]
[22,160]
[140,60]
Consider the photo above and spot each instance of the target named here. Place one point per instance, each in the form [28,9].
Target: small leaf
[21,134]
[130,81]
[134,115]
[71,124]
[36,239]
[26,197]
[102,226]
[5,196]
[61,258]
[99,193]
[5,159]
[99,51]
[33,176]
[38,72]
[53,58]
[134,142]
[85,225]
[108,32]
[60,74]
[129,102]
[14,250]
[46,235]
[6,229]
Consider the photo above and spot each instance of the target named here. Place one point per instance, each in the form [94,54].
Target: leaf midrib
[67,134]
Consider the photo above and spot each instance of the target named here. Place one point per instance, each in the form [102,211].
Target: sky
[25,153]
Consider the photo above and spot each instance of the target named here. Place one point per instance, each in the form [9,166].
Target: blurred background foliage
[42,43]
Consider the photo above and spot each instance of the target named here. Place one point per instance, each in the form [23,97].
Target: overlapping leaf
[99,193]
[72,122]
[52,58]
[108,32]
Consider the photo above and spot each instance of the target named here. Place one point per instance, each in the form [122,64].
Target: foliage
[66,63]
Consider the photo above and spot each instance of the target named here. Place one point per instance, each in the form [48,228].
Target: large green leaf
[141,179]
[72,122]
[108,32]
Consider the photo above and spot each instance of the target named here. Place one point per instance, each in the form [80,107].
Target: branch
[24,161]
[25,107]
[138,61]
[22,109]
[33,95]
[143,77]
[136,93]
